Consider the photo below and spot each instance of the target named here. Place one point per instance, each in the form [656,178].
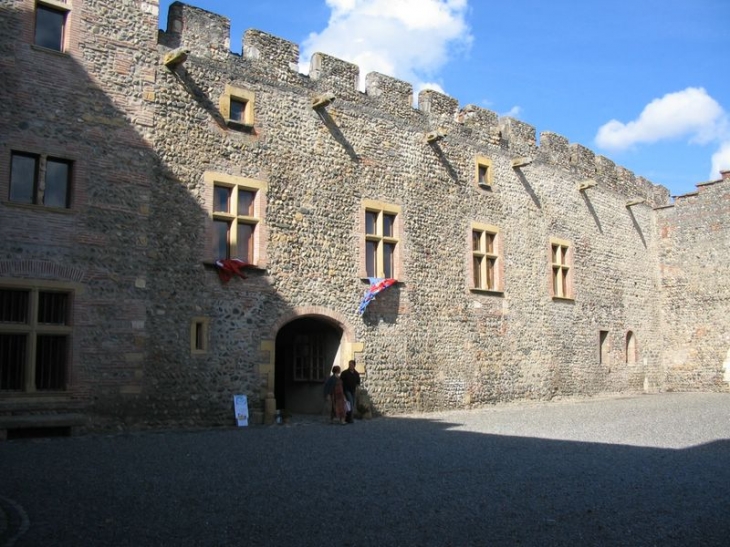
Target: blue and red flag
[377,285]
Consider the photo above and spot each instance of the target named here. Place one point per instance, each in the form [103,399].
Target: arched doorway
[306,350]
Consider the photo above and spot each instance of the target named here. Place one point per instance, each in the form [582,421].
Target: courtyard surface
[637,470]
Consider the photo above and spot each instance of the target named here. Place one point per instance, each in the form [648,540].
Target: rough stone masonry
[149,121]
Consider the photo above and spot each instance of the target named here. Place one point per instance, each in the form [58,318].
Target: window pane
[477,272]
[14,306]
[244,242]
[490,274]
[221,199]
[371,222]
[53,308]
[238,109]
[557,285]
[57,183]
[245,202]
[371,258]
[482,174]
[490,242]
[13,349]
[49,27]
[476,240]
[220,238]
[388,223]
[22,178]
[50,367]
[556,254]
[199,343]
[388,263]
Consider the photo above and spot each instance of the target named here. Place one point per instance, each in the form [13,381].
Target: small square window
[483,173]
[199,335]
[237,107]
[50,27]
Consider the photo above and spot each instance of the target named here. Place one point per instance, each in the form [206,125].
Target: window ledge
[249,267]
[563,299]
[55,52]
[240,126]
[38,207]
[397,281]
[491,292]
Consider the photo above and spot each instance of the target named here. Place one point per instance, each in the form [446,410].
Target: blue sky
[642,82]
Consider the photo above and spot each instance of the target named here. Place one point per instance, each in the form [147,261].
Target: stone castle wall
[144,135]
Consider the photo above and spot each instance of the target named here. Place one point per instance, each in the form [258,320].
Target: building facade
[137,165]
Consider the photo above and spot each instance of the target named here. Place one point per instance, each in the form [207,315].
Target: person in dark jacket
[350,380]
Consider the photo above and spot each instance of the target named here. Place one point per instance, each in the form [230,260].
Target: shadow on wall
[135,229]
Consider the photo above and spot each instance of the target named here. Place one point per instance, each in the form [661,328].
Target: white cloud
[407,39]
[720,160]
[513,112]
[690,114]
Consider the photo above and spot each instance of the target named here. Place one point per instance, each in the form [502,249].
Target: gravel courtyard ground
[639,471]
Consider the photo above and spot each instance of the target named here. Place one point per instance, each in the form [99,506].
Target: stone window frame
[604,347]
[39,182]
[381,208]
[632,348]
[485,256]
[483,173]
[246,97]
[213,179]
[561,269]
[199,335]
[58,6]
[33,329]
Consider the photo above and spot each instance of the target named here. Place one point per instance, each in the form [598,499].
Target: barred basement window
[35,339]
[50,24]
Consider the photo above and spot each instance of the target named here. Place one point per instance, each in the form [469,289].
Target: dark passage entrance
[306,350]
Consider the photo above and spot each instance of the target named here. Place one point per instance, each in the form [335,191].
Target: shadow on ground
[389,481]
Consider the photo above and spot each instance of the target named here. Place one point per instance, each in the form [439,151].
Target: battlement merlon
[394,95]
[334,75]
[482,123]
[519,136]
[201,32]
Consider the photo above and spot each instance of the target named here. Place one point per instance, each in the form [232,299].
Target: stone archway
[306,350]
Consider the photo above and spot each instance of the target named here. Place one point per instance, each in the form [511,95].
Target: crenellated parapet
[206,35]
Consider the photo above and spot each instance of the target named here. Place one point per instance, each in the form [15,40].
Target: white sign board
[240,407]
